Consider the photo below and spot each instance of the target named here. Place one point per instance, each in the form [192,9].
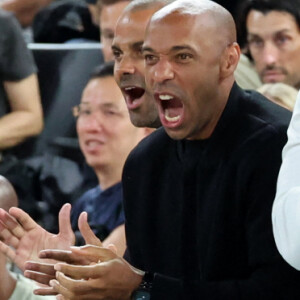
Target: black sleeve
[16,60]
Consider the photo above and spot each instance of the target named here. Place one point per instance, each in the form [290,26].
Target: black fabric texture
[198,213]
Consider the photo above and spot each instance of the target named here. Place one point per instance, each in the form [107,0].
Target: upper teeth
[129,88]
[165,97]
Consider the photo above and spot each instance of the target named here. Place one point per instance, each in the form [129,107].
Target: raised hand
[43,272]
[20,231]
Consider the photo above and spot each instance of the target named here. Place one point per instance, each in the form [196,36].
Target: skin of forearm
[16,126]
[7,285]
[117,238]
[24,10]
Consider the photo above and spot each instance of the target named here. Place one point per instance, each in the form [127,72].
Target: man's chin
[139,119]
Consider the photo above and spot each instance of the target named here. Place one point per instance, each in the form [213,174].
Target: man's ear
[229,60]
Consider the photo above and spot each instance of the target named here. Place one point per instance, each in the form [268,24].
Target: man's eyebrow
[137,45]
[173,49]
[258,34]
[145,48]
[181,47]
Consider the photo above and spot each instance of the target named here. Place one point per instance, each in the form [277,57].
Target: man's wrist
[143,292]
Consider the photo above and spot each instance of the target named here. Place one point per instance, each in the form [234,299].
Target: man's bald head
[8,196]
[212,17]
[138,5]
[190,54]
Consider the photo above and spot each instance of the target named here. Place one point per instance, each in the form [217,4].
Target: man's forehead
[130,32]
[273,22]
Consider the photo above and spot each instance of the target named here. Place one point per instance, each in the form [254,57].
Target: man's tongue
[172,114]
[172,109]
[135,93]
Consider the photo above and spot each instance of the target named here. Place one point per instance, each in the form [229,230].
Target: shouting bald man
[199,191]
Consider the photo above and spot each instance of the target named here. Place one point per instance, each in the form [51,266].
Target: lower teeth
[171,119]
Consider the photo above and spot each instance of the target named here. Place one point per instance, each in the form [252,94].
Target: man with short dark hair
[109,12]
[270,29]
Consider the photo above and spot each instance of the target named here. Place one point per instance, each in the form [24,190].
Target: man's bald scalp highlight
[221,16]
[137,5]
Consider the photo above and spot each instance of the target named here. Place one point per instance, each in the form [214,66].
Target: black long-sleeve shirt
[198,213]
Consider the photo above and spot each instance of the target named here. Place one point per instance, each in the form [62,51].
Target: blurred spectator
[20,107]
[280,93]
[24,10]
[106,136]
[269,30]
[109,12]
[246,75]
[65,20]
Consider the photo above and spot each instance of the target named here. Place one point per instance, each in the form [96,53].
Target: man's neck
[107,178]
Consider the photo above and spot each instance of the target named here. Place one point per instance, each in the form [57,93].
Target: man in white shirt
[286,207]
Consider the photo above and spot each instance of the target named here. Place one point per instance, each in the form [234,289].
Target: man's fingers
[56,254]
[39,277]
[64,256]
[9,252]
[79,272]
[45,291]
[23,218]
[8,237]
[65,228]
[60,289]
[86,231]
[40,267]
[11,224]
[94,253]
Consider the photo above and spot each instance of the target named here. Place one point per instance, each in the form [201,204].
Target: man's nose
[163,71]
[270,54]
[125,66]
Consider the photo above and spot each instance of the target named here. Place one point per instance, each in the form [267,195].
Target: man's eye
[280,40]
[108,35]
[116,53]
[110,113]
[183,56]
[257,43]
[84,112]
[150,59]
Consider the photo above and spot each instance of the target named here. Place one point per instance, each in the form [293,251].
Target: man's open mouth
[132,95]
[170,107]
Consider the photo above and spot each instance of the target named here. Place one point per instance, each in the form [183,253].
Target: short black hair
[265,6]
[104,70]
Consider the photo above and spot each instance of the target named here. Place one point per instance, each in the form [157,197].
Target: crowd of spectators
[217,151]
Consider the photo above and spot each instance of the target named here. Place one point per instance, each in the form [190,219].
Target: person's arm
[19,80]
[286,208]
[7,282]
[26,117]
[24,10]
[117,238]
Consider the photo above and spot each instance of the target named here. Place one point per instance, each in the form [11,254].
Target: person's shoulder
[87,195]
[93,192]
[268,115]
[6,19]
[151,146]
[5,15]
[155,141]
